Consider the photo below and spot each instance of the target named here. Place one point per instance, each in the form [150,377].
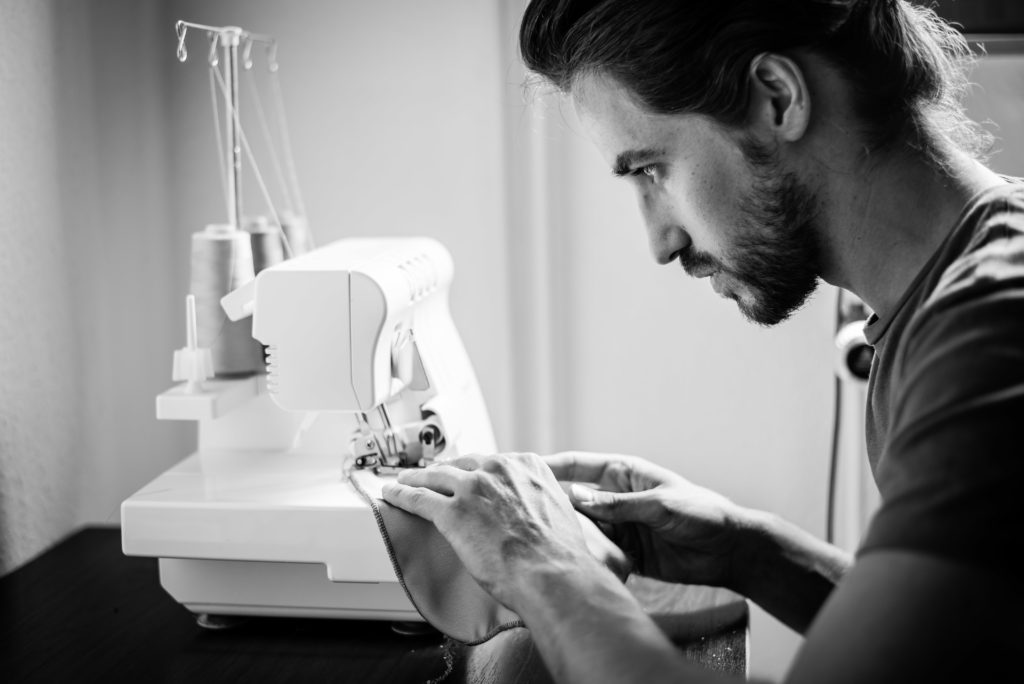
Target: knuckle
[465,462]
[496,464]
[618,470]
[533,462]
[414,495]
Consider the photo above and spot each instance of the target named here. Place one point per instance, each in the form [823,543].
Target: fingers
[468,462]
[614,472]
[579,466]
[442,478]
[416,500]
[424,491]
[639,507]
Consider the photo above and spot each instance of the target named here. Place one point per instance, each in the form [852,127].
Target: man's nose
[666,238]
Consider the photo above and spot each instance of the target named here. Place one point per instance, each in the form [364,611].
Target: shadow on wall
[85,265]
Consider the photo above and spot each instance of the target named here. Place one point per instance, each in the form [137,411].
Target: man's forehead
[601,100]
[615,122]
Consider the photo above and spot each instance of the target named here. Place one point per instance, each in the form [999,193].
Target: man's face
[718,202]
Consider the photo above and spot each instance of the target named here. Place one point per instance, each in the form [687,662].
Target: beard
[776,260]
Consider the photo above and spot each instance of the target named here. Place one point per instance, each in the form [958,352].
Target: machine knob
[432,437]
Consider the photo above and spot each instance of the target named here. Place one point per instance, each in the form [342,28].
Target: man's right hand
[672,529]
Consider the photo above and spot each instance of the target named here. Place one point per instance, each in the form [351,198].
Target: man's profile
[773,143]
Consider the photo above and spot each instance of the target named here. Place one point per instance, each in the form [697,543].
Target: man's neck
[885,220]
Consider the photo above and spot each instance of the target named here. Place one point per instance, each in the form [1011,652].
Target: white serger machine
[365,370]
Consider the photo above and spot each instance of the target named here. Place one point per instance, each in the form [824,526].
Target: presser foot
[392,450]
[216,622]
[378,466]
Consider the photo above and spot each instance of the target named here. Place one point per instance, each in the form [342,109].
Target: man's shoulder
[950,470]
[966,340]
[990,253]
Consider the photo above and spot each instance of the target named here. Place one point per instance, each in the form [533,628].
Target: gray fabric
[433,577]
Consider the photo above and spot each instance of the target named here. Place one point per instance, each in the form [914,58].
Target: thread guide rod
[229,38]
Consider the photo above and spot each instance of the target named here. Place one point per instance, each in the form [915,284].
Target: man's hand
[506,517]
[672,529]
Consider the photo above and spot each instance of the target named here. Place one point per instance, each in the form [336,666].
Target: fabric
[946,395]
[433,577]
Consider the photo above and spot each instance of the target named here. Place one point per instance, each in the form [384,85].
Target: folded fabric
[433,577]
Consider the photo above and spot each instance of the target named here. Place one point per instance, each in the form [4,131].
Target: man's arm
[589,628]
[787,571]
[679,532]
[902,616]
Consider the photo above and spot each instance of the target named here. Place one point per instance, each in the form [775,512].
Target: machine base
[224,587]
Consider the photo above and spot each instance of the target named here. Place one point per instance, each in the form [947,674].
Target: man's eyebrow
[630,159]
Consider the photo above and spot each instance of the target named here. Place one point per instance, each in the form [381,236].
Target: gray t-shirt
[945,418]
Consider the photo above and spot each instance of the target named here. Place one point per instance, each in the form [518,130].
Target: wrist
[755,544]
[553,585]
[784,569]
[589,627]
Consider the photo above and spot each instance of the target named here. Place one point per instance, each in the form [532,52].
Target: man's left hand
[506,517]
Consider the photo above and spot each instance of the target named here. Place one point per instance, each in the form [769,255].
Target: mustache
[695,262]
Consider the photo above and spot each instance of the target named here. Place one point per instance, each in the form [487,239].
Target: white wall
[116,203]
[84,336]
[39,388]
[83,273]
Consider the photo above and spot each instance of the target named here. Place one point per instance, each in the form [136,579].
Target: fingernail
[581,493]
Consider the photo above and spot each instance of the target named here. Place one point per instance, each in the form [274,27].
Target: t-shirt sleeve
[952,472]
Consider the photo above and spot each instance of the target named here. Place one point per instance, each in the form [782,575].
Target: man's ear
[779,106]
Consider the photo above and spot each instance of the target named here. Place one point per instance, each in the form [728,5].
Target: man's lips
[706,271]
[702,271]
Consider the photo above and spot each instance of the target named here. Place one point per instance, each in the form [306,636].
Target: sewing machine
[365,370]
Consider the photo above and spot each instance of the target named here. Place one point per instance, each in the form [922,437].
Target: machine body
[365,370]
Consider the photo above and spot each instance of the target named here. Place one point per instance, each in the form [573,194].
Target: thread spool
[267,248]
[296,230]
[221,262]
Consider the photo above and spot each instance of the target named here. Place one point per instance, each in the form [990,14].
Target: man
[770,143]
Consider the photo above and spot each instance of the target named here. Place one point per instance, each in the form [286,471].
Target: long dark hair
[907,67]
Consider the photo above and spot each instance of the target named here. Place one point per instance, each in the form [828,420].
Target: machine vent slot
[272,369]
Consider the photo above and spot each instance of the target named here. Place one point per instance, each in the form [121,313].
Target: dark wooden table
[83,612]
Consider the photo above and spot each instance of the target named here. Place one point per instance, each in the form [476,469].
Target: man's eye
[651,171]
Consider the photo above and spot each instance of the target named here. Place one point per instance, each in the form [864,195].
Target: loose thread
[448,647]
[271,148]
[252,163]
